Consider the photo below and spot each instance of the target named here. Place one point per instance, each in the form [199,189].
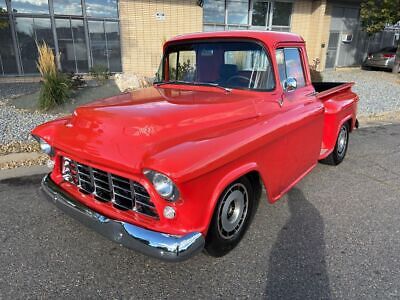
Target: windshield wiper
[213,85]
[194,83]
[172,82]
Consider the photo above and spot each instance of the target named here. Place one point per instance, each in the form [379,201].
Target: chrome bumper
[160,245]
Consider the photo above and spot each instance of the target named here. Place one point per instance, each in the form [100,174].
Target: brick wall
[142,35]
[311,19]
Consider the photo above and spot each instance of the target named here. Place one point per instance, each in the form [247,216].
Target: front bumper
[159,245]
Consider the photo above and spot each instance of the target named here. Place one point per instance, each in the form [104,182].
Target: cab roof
[268,37]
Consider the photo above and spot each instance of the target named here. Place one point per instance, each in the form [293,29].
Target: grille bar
[123,193]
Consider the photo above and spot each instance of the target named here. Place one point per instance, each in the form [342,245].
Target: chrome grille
[123,193]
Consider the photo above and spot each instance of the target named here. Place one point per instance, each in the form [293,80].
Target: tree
[3,22]
[376,15]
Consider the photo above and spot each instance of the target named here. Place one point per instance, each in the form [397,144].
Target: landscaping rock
[130,82]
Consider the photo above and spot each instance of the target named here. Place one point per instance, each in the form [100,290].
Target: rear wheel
[338,154]
[231,218]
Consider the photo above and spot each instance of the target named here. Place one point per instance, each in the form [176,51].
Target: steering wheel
[240,78]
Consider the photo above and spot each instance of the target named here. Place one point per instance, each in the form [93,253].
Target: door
[331,52]
[303,113]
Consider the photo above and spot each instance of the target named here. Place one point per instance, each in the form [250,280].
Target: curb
[24,171]
[19,156]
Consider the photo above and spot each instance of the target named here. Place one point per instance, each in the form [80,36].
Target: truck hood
[126,130]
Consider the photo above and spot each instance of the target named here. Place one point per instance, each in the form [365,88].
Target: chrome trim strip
[159,245]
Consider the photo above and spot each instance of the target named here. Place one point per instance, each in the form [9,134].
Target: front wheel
[231,218]
[338,154]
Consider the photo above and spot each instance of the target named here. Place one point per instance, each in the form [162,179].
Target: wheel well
[255,180]
[350,122]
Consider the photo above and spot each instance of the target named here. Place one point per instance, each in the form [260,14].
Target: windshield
[226,64]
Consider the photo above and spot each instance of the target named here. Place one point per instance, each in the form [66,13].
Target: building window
[260,13]
[102,8]
[71,44]
[247,14]
[281,14]
[32,22]
[30,7]
[67,7]
[3,7]
[113,46]
[104,44]
[29,32]
[7,53]
[237,12]
[214,11]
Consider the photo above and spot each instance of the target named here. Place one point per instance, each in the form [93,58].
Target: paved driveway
[335,235]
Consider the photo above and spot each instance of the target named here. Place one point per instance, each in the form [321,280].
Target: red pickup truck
[179,167]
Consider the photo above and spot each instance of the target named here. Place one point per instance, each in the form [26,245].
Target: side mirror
[290,84]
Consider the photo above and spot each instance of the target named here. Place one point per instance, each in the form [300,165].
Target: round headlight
[163,185]
[46,148]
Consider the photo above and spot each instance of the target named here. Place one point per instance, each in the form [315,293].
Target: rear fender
[337,112]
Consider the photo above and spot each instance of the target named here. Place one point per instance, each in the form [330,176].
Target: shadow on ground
[297,267]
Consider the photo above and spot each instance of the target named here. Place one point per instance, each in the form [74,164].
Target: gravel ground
[12,90]
[379,91]
[16,124]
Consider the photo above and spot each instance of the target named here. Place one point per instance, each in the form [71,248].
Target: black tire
[339,153]
[220,241]
[366,68]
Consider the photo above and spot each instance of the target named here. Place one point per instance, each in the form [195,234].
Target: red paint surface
[203,138]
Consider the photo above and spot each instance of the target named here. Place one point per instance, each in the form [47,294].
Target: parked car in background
[179,166]
[382,59]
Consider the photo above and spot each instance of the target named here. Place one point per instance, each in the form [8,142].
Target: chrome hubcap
[342,141]
[232,210]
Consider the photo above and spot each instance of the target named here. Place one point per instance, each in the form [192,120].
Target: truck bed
[325,89]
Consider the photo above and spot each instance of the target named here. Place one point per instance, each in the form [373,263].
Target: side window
[182,65]
[289,65]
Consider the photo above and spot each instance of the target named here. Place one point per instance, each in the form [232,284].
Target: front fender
[46,130]
[230,177]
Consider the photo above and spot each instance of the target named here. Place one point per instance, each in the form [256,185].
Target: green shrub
[55,85]
[100,73]
[55,91]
